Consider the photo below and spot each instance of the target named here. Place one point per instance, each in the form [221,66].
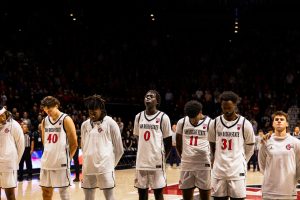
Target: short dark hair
[49,102]
[94,102]
[192,108]
[230,96]
[157,95]
[280,113]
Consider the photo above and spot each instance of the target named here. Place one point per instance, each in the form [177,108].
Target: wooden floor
[124,190]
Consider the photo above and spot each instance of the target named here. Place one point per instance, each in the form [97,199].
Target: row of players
[214,152]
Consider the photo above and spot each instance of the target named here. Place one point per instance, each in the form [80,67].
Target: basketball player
[102,149]
[60,143]
[279,161]
[232,139]
[193,146]
[11,151]
[151,126]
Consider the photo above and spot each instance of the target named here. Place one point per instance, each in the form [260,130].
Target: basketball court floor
[124,190]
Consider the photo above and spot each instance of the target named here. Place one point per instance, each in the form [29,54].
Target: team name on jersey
[229,134]
[53,129]
[149,126]
[194,132]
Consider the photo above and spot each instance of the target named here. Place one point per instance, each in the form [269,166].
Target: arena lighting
[74,19]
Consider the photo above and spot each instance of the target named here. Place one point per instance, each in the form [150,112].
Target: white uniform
[195,144]
[150,162]
[102,149]
[230,138]
[195,158]
[56,154]
[55,161]
[151,129]
[11,151]
[230,164]
[279,161]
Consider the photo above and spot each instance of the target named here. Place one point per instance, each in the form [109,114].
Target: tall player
[102,149]
[60,143]
[232,139]
[279,161]
[153,129]
[193,146]
[11,150]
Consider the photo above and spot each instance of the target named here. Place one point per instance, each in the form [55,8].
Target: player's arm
[211,137]
[116,141]
[262,156]
[167,133]
[71,134]
[32,145]
[179,133]
[136,128]
[42,125]
[179,143]
[249,140]
[18,135]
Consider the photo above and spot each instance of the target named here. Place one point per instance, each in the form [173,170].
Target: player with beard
[12,146]
[232,139]
[153,129]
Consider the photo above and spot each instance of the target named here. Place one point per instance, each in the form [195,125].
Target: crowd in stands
[70,63]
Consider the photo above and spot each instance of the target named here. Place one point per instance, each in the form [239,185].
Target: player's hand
[266,137]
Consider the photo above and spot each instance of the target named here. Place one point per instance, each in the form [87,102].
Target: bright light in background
[71,14]
[74,19]
[152,17]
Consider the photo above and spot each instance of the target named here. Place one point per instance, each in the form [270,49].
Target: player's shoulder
[294,139]
[181,120]
[109,120]
[138,115]
[163,114]
[85,123]
[246,121]
[14,123]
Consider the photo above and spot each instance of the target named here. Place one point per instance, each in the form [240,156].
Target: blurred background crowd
[185,50]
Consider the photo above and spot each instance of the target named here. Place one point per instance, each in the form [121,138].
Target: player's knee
[47,193]
[10,194]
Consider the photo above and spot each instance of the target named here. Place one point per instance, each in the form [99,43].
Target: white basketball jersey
[11,146]
[195,146]
[230,138]
[151,130]
[56,147]
[102,146]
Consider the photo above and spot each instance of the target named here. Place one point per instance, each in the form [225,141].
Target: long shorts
[101,181]
[230,188]
[153,179]
[8,179]
[55,178]
[191,179]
